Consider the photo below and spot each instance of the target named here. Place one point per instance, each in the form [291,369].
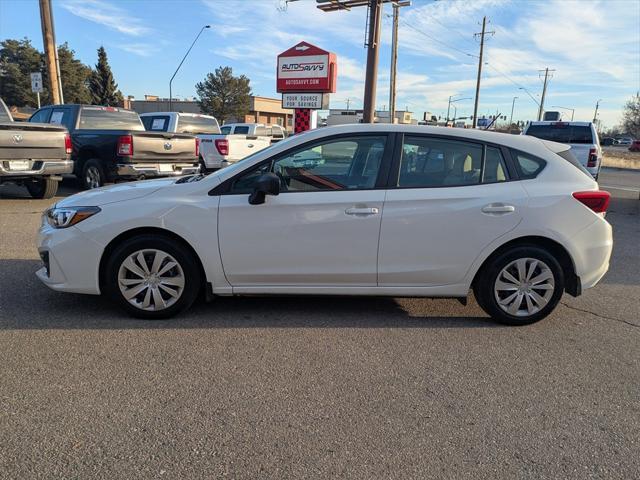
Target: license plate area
[19,165]
[166,167]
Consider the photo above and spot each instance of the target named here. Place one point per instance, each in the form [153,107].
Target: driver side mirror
[267,184]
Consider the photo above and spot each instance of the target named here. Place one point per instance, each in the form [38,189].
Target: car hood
[116,193]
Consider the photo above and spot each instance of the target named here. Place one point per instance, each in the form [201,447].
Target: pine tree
[102,86]
[223,95]
[75,76]
[18,58]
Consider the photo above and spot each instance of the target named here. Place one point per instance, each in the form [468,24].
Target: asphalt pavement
[318,387]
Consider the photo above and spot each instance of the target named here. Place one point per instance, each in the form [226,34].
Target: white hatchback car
[350,210]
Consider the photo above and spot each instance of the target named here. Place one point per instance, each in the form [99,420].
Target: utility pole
[513,104]
[394,60]
[48,39]
[544,91]
[481,34]
[373,42]
[595,114]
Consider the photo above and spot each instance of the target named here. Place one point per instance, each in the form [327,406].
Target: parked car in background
[111,144]
[607,141]
[275,132]
[624,140]
[216,149]
[382,209]
[33,155]
[581,136]
[635,146]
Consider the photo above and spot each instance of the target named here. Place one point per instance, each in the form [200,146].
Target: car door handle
[498,209]
[362,211]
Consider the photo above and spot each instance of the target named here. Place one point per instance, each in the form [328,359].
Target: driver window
[349,163]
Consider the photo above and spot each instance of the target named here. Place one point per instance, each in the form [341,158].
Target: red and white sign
[306,68]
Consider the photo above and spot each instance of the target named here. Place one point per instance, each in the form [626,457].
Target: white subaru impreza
[351,210]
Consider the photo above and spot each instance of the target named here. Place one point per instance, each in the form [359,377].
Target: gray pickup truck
[33,154]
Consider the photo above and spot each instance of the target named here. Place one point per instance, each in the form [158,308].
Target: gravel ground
[318,387]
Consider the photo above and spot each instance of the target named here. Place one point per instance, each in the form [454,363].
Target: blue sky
[593,45]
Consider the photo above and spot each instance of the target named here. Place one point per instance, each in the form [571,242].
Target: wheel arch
[126,235]
[572,281]
[85,154]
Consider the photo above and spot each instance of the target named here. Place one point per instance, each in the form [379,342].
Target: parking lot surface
[318,387]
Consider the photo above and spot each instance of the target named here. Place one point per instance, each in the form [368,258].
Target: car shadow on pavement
[68,187]
[25,304]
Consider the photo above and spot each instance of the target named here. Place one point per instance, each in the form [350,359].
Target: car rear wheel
[42,187]
[520,286]
[152,277]
[92,175]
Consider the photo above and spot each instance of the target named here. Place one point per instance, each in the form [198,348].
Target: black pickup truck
[111,144]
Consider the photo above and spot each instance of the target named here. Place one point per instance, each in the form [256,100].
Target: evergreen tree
[18,58]
[223,95]
[102,86]
[75,76]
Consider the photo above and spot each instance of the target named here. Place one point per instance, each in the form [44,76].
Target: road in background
[317,387]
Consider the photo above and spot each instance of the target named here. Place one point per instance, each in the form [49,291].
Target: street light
[573,110]
[183,59]
[452,101]
[513,104]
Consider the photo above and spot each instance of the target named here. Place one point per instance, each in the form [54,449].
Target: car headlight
[63,217]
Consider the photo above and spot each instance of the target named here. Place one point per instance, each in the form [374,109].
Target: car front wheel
[152,277]
[520,286]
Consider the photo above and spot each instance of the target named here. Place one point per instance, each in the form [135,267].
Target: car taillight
[197,147]
[222,146]
[67,144]
[125,145]
[596,200]
[593,158]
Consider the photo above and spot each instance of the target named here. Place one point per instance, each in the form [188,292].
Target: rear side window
[494,167]
[241,131]
[571,158]
[433,162]
[61,116]
[562,133]
[109,118]
[225,130]
[527,165]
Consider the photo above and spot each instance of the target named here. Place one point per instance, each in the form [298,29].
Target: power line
[407,24]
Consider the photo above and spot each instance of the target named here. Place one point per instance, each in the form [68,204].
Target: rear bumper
[155,169]
[37,167]
[592,252]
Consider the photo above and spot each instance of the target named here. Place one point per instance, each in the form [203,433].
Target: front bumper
[36,167]
[156,169]
[71,260]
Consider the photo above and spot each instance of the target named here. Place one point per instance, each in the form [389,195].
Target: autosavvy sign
[306,68]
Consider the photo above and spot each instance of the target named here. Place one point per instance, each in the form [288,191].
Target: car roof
[555,122]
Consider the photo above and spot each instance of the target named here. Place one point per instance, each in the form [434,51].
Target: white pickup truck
[276,132]
[217,150]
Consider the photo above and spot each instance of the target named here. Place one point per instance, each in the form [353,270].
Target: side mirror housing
[267,184]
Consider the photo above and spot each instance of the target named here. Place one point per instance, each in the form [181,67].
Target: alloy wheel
[151,279]
[92,177]
[524,287]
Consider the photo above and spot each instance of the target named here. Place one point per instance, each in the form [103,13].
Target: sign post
[36,84]
[306,75]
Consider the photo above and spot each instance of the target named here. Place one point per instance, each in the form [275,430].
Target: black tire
[486,282]
[203,167]
[44,187]
[184,258]
[92,175]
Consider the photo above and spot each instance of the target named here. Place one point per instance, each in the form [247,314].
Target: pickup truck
[582,136]
[275,132]
[216,150]
[110,144]
[33,155]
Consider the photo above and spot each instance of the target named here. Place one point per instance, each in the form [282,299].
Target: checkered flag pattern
[302,120]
